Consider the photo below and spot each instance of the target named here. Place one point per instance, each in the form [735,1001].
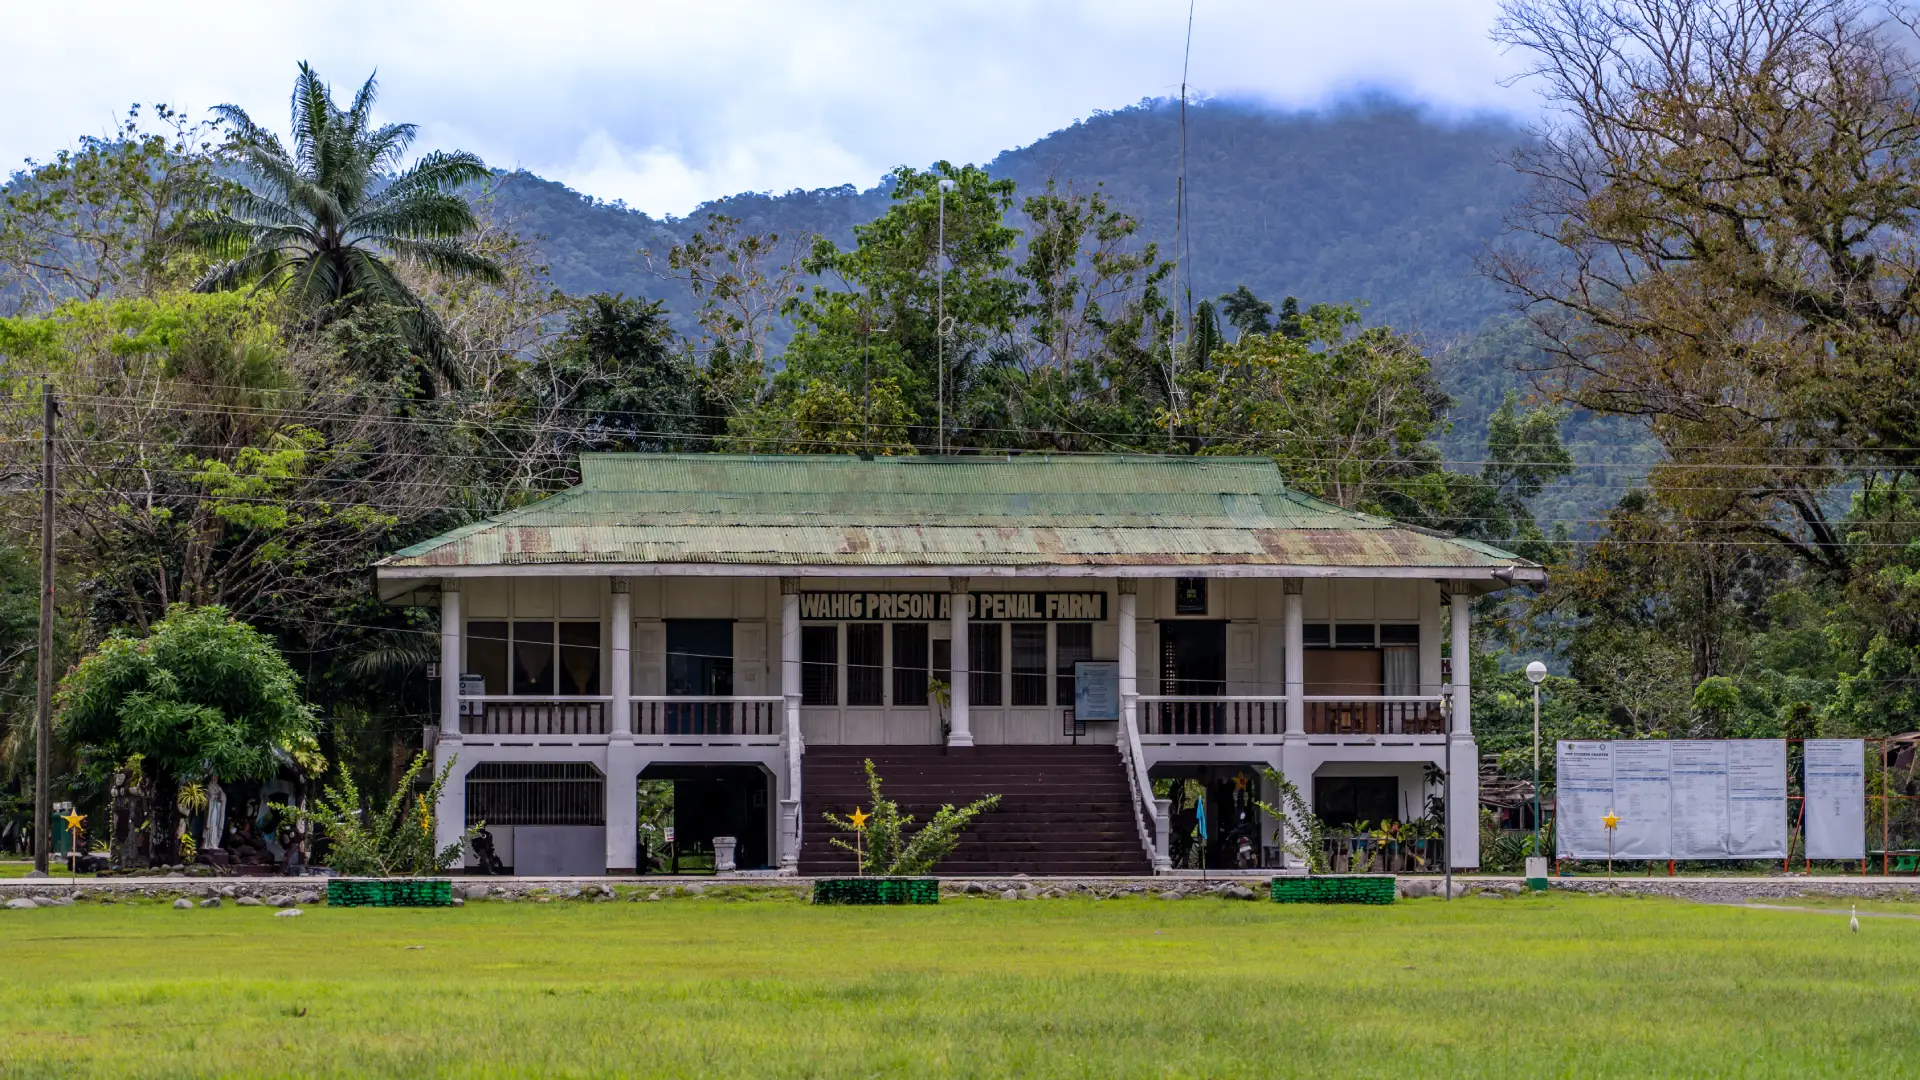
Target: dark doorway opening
[1193,663]
[706,801]
[1344,800]
[700,664]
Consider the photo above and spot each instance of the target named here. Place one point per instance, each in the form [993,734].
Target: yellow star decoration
[1239,781]
[74,820]
[1611,821]
[858,818]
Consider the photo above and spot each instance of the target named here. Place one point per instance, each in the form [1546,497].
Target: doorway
[1193,663]
[683,807]
[700,664]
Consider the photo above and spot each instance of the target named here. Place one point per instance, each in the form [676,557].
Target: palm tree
[329,220]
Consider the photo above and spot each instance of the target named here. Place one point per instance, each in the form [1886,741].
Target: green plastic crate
[876,890]
[390,892]
[1335,890]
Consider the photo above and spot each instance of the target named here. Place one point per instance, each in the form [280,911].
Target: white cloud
[665,105]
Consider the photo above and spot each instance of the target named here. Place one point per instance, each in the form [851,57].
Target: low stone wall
[303,892]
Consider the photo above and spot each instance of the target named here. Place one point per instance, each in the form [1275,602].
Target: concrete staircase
[1063,809]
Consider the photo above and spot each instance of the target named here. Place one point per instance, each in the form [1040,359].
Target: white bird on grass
[1853,922]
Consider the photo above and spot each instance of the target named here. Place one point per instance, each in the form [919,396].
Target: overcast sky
[664,105]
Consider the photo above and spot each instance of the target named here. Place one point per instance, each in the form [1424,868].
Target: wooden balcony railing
[1374,716]
[706,717]
[502,715]
[1264,718]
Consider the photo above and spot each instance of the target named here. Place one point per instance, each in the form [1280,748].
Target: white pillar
[620,642]
[960,730]
[623,758]
[1462,667]
[1293,636]
[450,659]
[1129,641]
[789,787]
[450,815]
[1463,764]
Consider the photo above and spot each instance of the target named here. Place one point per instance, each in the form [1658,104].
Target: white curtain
[1400,669]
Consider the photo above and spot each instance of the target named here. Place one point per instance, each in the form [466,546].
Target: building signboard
[938,606]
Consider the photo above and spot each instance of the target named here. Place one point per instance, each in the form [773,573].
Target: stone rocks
[1173,894]
[474,892]
[289,913]
[1241,892]
[22,903]
[279,900]
[695,890]
[307,899]
[248,901]
[183,904]
[1009,894]
[211,901]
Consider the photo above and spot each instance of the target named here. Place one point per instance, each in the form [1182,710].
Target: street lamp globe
[1536,673]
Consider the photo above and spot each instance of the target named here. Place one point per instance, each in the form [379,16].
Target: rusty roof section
[1030,511]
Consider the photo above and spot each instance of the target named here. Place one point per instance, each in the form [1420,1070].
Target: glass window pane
[866,663]
[1316,635]
[1353,635]
[819,665]
[983,658]
[487,655]
[943,661]
[910,664]
[580,658]
[1399,633]
[1072,643]
[533,658]
[1030,663]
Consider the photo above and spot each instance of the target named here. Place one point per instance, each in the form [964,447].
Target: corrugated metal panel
[1028,511]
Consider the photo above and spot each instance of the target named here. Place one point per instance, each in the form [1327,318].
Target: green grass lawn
[1563,985]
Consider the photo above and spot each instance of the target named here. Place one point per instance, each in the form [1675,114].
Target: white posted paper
[1836,799]
[1583,781]
[1757,799]
[1700,812]
[1643,798]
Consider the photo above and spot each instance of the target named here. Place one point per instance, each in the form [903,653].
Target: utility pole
[43,725]
[940,313]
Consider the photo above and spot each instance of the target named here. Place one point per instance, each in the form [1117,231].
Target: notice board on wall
[1687,799]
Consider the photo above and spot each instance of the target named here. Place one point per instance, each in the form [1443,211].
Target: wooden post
[43,720]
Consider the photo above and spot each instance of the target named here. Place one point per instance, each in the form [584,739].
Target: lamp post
[940,314]
[1536,674]
[1446,793]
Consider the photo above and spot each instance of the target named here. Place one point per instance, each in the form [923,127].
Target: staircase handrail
[1139,785]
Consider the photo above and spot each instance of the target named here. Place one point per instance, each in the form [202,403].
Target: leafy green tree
[1247,313]
[201,695]
[329,219]
[616,368]
[94,221]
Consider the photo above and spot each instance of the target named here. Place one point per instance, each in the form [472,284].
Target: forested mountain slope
[1375,201]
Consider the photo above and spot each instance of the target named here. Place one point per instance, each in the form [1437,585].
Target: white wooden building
[712,617]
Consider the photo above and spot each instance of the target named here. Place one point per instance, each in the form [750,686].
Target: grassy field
[1563,986]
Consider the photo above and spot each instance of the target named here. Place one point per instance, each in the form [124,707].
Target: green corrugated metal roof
[1028,511]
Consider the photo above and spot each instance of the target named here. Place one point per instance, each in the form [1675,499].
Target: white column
[960,730]
[1462,666]
[1293,636]
[623,758]
[620,641]
[789,787]
[1129,642]
[450,659]
[1463,764]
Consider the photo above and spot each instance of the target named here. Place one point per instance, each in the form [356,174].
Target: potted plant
[1304,835]
[893,864]
[385,855]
